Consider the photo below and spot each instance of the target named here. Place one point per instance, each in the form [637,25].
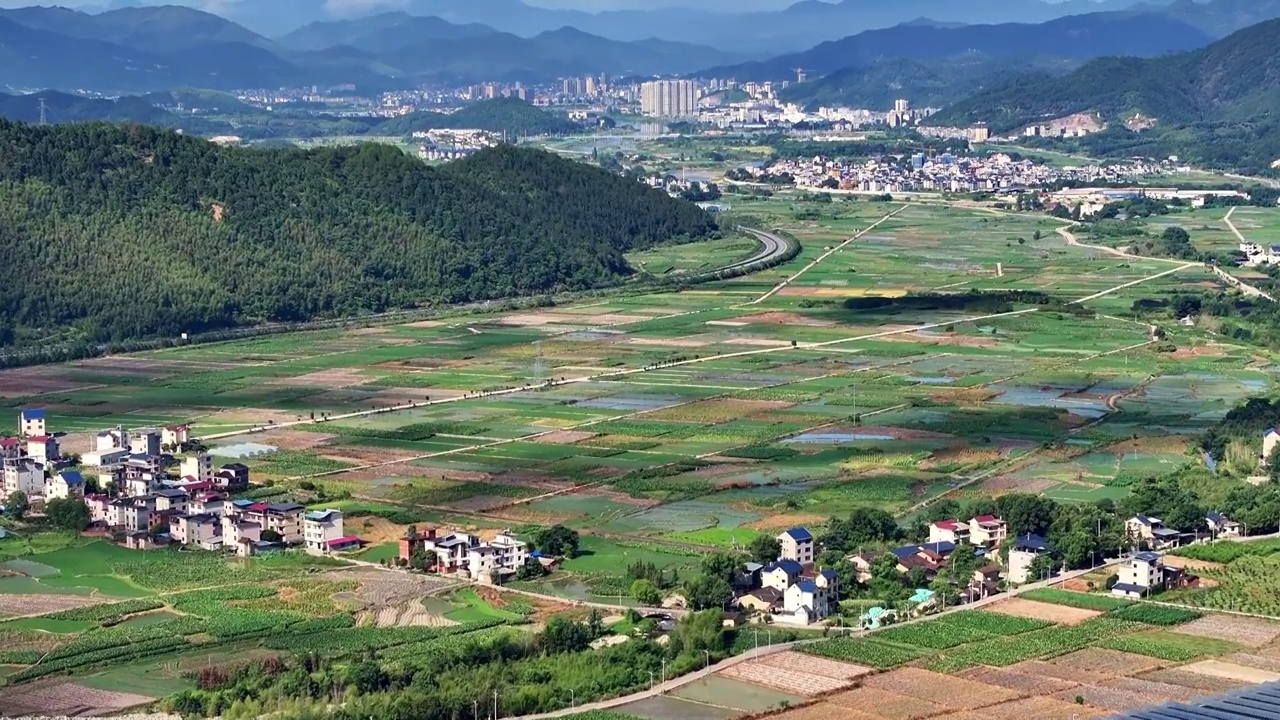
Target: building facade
[669,98]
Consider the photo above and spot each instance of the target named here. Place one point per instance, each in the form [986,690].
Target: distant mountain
[1078,37]
[379,32]
[932,83]
[1217,103]
[145,49]
[1220,18]
[797,27]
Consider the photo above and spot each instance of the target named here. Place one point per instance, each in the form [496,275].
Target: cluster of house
[789,589]
[154,508]
[467,555]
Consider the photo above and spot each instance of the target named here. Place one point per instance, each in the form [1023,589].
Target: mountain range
[1216,104]
[145,49]
[1076,37]
[794,28]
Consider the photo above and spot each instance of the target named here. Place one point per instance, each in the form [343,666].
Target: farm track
[1232,280]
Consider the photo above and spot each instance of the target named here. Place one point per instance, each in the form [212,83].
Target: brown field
[821,711]
[1231,671]
[786,521]
[785,318]
[335,378]
[1038,708]
[1262,662]
[1008,483]
[1022,682]
[695,341]
[23,382]
[566,437]
[1107,662]
[65,698]
[33,604]
[379,588]
[1114,699]
[1043,611]
[285,439]
[954,693]
[886,705]
[814,665]
[1247,631]
[1061,672]
[1204,684]
[794,682]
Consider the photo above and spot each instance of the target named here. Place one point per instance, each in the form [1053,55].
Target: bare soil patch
[1021,682]
[787,318]
[757,342]
[1231,671]
[1204,684]
[30,604]
[66,698]
[383,588]
[815,665]
[1061,672]
[1247,631]
[334,378]
[1043,611]
[954,693]
[1190,564]
[787,521]
[694,341]
[22,382]
[887,705]
[1040,708]
[1108,662]
[289,439]
[786,680]
[821,711]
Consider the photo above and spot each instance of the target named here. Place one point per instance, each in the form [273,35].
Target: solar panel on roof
[1255,703]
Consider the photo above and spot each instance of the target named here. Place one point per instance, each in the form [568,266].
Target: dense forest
[509,115]
[131,232]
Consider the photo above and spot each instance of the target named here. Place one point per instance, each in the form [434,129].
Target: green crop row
[871,652]
[100,613]
[1155,614]
[1084,601]
[1049,642]
[117,654]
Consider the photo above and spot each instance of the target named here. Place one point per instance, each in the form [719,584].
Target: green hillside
[131,232]
[1215,105]
[510,115]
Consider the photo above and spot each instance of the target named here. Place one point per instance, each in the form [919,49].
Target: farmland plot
[795,682]
[1247,631]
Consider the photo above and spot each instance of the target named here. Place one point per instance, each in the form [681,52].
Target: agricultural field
[662,423]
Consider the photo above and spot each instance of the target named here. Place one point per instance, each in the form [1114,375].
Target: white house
[22,473]
[208,502]
[952,531]
[1270,439]
[1151,530]
[781,574]
[236,532]
[42,448]
[198,466]
[103,458]
[99,508]
[1023,553]
[319,527]
[175,436]
[132,514]
[809,600]
[171,499]
[987,531]
[1141,575]
[797,545]
[1222,526]
[145,442]
[65,485]
[491,561]
[31,423]
[202,530]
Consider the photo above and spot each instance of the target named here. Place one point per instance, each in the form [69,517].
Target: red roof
[348,540]
[38,438]
[947,524]
[206,497]
[258,507]
[987,519]
[9,442]
[175,428]
[197,486]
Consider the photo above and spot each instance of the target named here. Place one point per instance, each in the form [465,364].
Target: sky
[349,6]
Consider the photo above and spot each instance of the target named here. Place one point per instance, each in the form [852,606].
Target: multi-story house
[42,448]
[145,442]
[11,448]
[236,532]
[175,436]
[1142,574]
[232,476]
[781,574]
[31,423]
[23,474]
[451,550]
[319,527]
[987,531]
[172,499]
[949,531]
[104,458]
[207,502]
[198,467]
[99,508]
[492,561]
[132,514]
[1222,526]
[65,485]
[203,530]
[810,599]
[1151,530]
[1022,554]
[284,519]
[797,545]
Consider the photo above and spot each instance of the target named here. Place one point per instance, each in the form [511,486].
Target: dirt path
[1232,280]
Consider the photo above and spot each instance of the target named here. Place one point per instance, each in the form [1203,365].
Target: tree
[562,635]
[17,505]
[1025,513]
[1041,567]
[646,593]
[557,540]
[708,591]
[700,631]
[864,526]
[530,570]
[722,566]
[68,514]
[271,536]
[764,549]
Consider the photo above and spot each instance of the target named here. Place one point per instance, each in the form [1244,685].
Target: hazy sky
[589,5]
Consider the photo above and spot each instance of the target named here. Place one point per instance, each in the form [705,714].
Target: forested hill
[132,232]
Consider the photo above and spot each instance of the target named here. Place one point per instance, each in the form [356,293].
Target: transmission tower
[539,363]
[44,112]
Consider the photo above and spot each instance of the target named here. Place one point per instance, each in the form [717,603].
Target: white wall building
[319,527]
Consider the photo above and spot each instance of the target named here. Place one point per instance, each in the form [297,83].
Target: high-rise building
[590,85]
[567,86]
[669,98]
[490,91]
[901,106]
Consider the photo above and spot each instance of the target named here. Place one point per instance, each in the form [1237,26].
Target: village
[154,488]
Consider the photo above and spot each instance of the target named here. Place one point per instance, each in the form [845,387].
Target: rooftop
[33,414]
[790,566]
[1249,703]
[799,534]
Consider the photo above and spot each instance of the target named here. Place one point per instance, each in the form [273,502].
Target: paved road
[1232,280]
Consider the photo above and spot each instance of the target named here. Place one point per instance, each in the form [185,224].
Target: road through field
[825,255]
[1230,279]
